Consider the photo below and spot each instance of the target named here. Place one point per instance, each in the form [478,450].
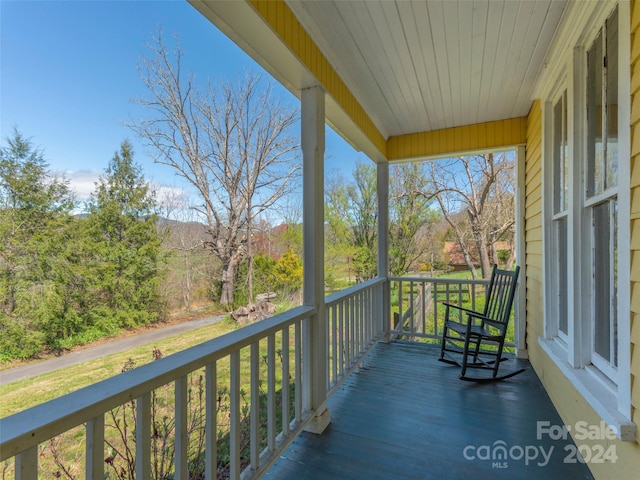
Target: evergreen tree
[34,212]
[127,255]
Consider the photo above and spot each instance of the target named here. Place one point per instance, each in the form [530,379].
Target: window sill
[602,399]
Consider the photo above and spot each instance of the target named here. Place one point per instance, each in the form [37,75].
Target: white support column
[315,332]
[521,299]
[383,243]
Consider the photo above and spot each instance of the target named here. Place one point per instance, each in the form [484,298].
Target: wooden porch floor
[407,416]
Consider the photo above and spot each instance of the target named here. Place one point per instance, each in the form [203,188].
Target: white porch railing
[23,434]
[355,321]
[266,359]
[417,303]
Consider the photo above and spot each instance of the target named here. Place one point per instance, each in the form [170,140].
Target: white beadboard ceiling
[425,65]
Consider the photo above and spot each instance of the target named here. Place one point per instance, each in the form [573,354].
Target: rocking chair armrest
[458,307]
[473,314]
[495,323]
[469,312]
[491,321]
[480,316]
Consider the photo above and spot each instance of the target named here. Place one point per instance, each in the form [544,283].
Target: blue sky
[69,73]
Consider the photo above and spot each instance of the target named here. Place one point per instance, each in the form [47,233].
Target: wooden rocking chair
[478,342]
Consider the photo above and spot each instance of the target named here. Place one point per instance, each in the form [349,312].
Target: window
[587,215]
[560,212]
[601,202]
[602,109]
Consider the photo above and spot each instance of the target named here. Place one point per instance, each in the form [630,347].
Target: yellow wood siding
[469,138]
[281,19]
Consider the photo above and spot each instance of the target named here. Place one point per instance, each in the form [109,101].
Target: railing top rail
[341,295]
[441,280]
[42,422]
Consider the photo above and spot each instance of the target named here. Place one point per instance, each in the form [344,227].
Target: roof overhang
[404,79]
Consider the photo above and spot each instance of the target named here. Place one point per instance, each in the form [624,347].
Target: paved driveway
[80,356]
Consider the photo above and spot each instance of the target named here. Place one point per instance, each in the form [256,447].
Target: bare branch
[481,186]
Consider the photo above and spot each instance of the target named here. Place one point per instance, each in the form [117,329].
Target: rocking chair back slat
[499,296]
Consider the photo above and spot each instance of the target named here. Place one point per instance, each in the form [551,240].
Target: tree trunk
[228,282]
[465,251]
[250,278]
[481,246]
[485,264]
[494,253]
[249,254]
[468,260]
[512,257]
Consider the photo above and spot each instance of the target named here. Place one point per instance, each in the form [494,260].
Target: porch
[406,415]
[394,410]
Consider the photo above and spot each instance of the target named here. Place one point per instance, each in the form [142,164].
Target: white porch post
[383,243]
[521,298]
[315,329]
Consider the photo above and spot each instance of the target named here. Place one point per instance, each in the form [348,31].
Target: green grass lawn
[19,395]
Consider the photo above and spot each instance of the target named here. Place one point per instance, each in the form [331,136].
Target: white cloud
[82,182]
[173,196]
[173,201]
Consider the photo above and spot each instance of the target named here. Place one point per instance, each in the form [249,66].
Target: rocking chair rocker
[468,340]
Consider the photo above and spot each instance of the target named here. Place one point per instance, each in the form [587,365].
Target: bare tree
[184,238]
[232,144]
[481,186]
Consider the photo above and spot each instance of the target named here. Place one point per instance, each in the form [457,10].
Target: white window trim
[551,324]
[611,402]
[594,391]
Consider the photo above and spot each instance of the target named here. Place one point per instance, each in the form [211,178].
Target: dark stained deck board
[407,416]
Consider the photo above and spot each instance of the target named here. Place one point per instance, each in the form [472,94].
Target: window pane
[611,159]
[565,155]
[562,273]
[603,291]
[614,273]
[560,149]
[595,150]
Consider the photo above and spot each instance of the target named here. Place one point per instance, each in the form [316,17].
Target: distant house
[268,240]
[452,253]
